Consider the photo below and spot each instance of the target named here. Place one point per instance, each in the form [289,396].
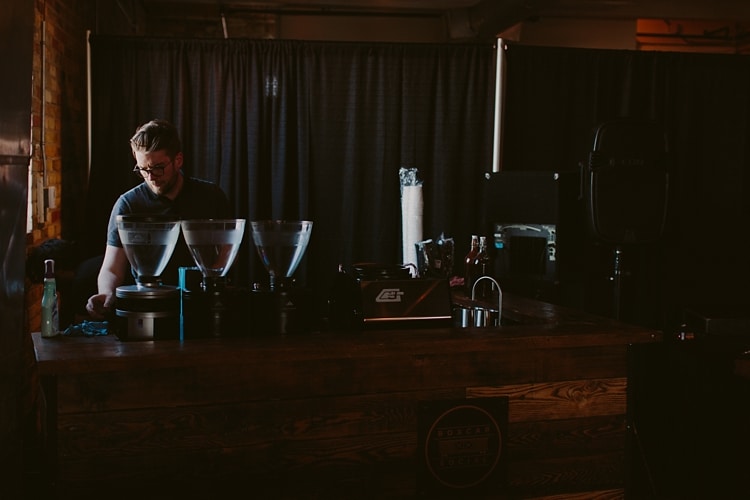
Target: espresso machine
[381,296]
[148,310]
[214,308]
[281,306]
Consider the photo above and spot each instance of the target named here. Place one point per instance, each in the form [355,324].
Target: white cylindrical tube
[412,207]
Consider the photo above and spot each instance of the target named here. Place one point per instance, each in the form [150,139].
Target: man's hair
[156,135]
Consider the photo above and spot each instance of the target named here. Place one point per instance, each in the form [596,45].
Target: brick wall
[58,120]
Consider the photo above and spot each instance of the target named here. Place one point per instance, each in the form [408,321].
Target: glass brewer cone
[281,246]
[213,244]
[149,242]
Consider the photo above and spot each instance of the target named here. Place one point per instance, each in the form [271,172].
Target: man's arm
[111,275]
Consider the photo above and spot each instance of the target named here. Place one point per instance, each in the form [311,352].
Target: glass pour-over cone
[213,243]
[281,246]
[148,242]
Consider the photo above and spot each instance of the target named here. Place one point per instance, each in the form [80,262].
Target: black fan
[627,182]
[626,186]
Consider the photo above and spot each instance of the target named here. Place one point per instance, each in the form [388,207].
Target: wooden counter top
[536,325]
[322,411]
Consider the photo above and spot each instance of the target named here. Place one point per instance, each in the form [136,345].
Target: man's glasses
[155,171]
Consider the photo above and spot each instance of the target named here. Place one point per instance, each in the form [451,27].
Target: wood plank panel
[271,437]
[564,438]
[276,378]
[326,461]
[560,400]
[337,414]
[584,473]
[182,428]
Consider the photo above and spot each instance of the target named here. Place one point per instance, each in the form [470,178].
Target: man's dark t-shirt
[198,199]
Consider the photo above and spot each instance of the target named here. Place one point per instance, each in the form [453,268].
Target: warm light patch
[726,37]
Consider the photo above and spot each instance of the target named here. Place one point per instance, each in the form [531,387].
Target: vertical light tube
[88,96]
[43,181]
[497,143]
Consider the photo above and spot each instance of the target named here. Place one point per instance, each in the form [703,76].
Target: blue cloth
[86,329]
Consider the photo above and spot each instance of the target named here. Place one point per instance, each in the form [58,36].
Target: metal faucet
[481,314]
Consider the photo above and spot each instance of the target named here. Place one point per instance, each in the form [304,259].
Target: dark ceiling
[487,17]
[622,9]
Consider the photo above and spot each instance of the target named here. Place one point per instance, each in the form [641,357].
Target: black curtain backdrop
[304,130]
[316,130]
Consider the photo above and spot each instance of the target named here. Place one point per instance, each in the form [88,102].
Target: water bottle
[50,318]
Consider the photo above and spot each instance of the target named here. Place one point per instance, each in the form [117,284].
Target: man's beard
[164,189]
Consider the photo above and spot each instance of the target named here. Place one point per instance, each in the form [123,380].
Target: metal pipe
[497,142]
[42,110]
[88,100]
[41,183]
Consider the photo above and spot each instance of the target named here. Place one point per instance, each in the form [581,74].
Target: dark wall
[16,39]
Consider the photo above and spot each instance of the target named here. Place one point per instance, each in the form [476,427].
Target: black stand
[617,282]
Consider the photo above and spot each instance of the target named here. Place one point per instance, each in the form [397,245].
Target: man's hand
[100,306]
[111,275]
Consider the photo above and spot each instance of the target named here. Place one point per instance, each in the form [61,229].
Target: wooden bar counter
[336,414]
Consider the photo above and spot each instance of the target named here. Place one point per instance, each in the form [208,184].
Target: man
[157,150]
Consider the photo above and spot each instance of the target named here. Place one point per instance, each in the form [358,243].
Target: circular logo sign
[463,446]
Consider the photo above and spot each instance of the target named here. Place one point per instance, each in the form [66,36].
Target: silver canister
[463,317]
